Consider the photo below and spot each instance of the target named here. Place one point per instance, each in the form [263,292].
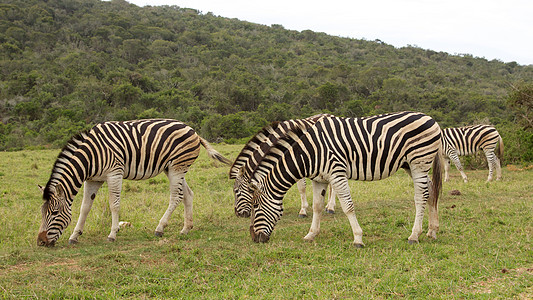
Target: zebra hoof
[359,246]
[330,211]
[183,231]
[432,235]
[301,216]
[110,239]
[412,242]
[72,242]
[158,234]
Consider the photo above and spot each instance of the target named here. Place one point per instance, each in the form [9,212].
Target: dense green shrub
[65,66]
[232,126]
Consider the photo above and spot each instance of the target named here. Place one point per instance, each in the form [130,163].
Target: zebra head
[266,212]
[56,215]
[243,195]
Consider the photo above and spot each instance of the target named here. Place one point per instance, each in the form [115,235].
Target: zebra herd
[326,149]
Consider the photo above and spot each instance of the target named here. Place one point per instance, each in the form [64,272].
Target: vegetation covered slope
[68,64]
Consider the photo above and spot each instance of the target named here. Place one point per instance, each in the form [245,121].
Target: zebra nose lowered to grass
[260,237]
[42,240]
[243,214]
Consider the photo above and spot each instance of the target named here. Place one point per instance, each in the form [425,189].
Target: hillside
[68,64]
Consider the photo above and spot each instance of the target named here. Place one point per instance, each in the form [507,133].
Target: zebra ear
[255,186]
[60,192]
[41,188]
[232,174]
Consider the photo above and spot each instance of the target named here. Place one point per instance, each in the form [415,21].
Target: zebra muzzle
[42,240]
[242,214]
[260,237]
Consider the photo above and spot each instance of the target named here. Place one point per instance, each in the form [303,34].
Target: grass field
[483,250]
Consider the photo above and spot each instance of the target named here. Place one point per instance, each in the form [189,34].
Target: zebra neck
[292,167]
[71,169]
[237,165]
[55,184]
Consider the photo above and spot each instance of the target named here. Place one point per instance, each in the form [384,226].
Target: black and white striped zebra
[113,151]
[337,149]
[467,141]
[253,152]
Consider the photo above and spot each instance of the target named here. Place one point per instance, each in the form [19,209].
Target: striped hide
[254,150]
[468,140]
[335,150]
[111,152]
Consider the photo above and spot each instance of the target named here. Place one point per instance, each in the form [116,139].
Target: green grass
[483,249]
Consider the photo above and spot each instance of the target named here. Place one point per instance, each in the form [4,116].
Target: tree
[71,62]
[328,96]
[134,50]
[521,101]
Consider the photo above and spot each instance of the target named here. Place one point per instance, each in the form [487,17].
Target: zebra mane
[317,117]
[260,144]
[66,153]
[275,151]
[252,145]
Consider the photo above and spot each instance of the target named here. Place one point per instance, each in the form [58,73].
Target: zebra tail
[500,149]
[436,180]
[213,154]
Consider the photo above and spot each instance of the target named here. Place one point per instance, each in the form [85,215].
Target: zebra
[253,151]
[337,149]
[467,141]
[113,151]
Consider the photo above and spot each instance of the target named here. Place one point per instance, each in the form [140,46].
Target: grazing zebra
[253,151]
[467,141]
[113,151]
[337,149]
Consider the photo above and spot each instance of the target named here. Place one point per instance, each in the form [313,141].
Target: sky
[491,29]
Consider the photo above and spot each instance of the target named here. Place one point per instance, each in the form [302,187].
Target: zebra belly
[136,175]
[365,173]
[464,153]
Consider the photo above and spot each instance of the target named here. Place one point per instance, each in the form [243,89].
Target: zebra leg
[433,210]
[114,184]
[188,196]
[330,207]
[421,182]
[459,166]
[498,168]
[491,160]
[303,197]
[446,169]
[341,187]
[89,193]
[433,214]
[177,180]
[319,192]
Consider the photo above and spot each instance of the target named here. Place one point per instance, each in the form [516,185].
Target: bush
[518,143]
[60,131]
[233,126]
